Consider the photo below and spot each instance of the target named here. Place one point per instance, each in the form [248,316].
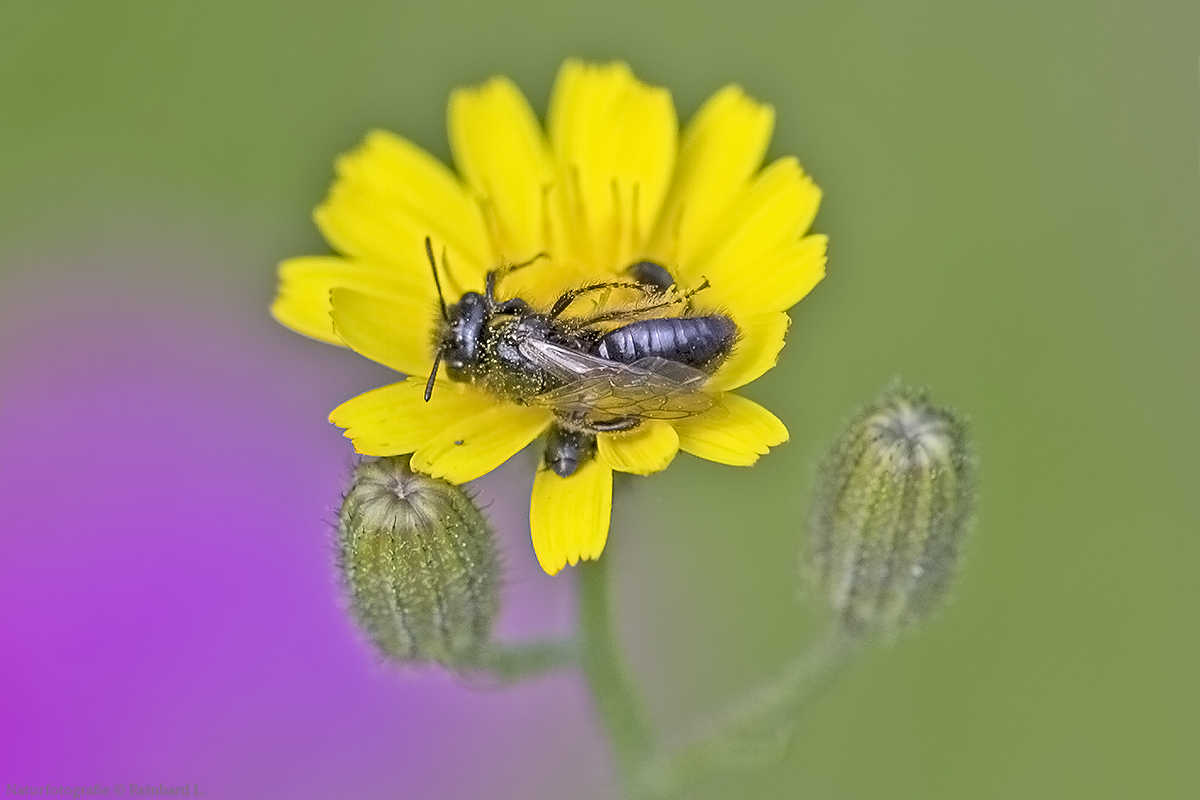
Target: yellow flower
[610,182]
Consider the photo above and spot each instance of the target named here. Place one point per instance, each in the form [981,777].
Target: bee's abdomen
[700,342]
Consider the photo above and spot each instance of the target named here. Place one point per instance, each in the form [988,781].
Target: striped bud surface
[418,559]
[893,503]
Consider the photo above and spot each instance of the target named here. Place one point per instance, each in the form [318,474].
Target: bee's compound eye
[456,370]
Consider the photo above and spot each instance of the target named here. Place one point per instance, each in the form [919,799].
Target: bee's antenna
[441,299]
[433,374]
[437,360]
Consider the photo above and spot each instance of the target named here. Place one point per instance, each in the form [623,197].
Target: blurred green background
[1013,197]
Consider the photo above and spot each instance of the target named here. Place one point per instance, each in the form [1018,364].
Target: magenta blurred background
[169,609]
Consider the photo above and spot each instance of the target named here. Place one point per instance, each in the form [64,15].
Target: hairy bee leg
[704,284]
[494,276]
[513,306]
[571,295]
[489,290]
[654,274]
[612,316]
[628,313]
[614,425]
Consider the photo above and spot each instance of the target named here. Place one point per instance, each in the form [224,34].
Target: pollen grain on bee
[600,373]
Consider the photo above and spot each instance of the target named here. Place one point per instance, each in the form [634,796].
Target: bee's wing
[561,362]
[649,388]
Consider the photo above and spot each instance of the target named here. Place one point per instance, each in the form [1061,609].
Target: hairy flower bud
[892,507]
[419,563]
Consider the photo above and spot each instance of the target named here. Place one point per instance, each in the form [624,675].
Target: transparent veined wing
[649,388]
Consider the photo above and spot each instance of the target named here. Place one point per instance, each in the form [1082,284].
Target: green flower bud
[419,563]
[893,503]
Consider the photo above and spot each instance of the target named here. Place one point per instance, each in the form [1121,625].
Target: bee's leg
[614,425]
[513,306]
[640,311]
[569,296]
[623,313]
[494,276]
[637,312]
[704,284]
[489,290]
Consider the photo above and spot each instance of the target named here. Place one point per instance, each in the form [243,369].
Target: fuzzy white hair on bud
[419,562]
[892,507]
[916,435]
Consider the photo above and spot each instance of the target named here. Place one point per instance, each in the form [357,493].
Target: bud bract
[419,563]
[893,502]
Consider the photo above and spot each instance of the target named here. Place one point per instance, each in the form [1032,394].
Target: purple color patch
[169,611]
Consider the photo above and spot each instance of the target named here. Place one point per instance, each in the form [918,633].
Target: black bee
[596,378]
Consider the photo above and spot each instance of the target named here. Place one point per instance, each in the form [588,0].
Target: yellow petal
[471,446]
[775,283]
[540,282]
[395,419]
[755,352]
[302,302]
[722,147]
[395,331]
[615,139]
[648,448]
[499,148]
[569,517]
[739,436]
[765,224]
[390,195]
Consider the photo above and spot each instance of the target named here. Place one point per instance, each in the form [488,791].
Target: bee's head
[461,332]
[458,337]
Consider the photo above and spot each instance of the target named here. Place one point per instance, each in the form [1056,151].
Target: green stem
[758,729]
[613,691]
[510,663]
